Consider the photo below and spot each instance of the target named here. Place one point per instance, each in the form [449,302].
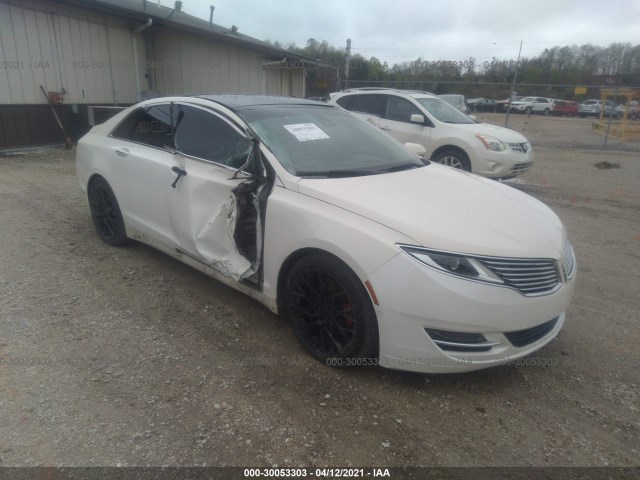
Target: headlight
[490,143]
[454,264]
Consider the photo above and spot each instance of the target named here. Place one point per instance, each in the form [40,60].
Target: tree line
[553,73]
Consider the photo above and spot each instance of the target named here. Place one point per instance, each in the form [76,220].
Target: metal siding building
[82,51]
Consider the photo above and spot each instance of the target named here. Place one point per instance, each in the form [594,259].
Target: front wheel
[105,213]
[331,312]
[528,111]
[454,158]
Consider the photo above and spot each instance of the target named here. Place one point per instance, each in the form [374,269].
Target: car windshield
[527,99]
[443,111]
[327,142]
[452,99]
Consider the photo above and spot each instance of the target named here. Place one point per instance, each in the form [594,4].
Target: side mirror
[416,147]
[416,118]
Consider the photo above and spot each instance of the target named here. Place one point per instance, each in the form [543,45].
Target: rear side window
[345,102]
[149,126]
[202,134]
[373,104]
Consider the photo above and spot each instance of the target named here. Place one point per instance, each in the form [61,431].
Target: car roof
[369,90]
[241,102]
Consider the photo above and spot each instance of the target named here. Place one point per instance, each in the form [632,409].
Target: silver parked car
[457,101]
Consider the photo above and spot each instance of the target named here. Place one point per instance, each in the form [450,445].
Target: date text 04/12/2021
[317,472]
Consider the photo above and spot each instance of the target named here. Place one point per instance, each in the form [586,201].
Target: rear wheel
[546,112]
[454,158]
[331,312]
[105,213]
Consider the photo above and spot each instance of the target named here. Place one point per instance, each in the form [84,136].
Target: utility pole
[347,64]
[513,86]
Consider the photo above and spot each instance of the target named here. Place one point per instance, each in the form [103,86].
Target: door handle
[123,152]
[384,127]
[181,172]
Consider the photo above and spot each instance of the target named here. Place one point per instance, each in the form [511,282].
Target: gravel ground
[124,356]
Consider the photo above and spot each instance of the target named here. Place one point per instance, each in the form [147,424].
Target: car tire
[527,110]
[546,112]
[331,312]
[105,213]
[454,158]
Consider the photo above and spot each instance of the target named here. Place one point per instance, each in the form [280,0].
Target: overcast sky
[402,30]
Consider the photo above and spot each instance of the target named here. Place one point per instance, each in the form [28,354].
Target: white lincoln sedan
[375,256]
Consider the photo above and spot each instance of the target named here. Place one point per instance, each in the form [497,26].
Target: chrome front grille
[521,167]
[520,147]
[569,261]
[528,276]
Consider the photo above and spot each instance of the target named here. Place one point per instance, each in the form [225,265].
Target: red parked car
[565,108]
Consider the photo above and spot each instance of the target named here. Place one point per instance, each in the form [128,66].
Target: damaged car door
[141,169]
[214,208]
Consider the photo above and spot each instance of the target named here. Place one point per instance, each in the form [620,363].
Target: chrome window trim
[209,110]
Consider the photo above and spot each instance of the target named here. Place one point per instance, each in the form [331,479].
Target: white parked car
[594,107]
[449,136]
[374,255]
[531,105]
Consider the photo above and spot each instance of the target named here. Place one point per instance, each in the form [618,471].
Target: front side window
[400,110]
[202,134]
[149,126]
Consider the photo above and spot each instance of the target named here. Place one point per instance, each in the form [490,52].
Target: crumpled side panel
[216,242]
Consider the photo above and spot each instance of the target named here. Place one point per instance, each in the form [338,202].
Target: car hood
[445,209]
[501,133]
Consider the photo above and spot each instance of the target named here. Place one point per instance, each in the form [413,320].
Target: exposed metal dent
[231,240]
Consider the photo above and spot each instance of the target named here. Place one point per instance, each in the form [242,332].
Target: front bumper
[506,164]
[414,298]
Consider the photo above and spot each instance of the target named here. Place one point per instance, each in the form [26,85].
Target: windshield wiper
[402,166]
[337,173]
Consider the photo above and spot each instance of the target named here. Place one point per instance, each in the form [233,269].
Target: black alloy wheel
[330,311]
[105,213]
